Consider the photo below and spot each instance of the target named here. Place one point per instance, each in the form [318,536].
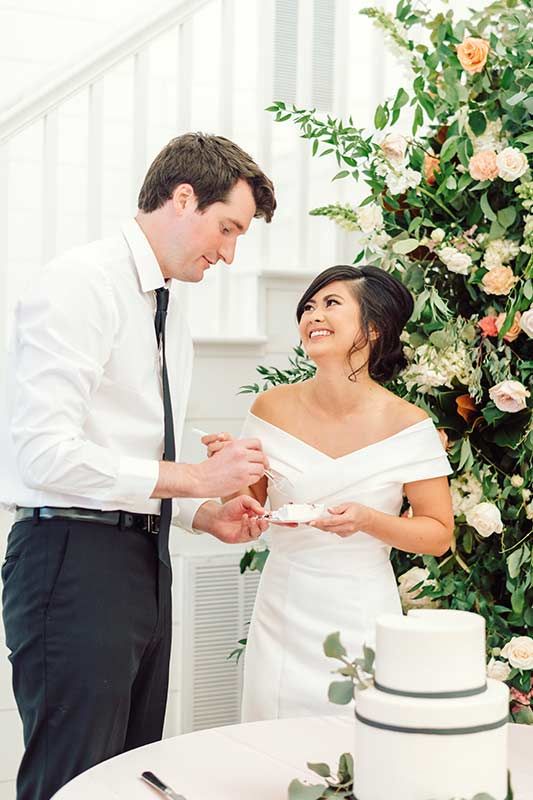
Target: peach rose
[483,166]
[526,322]
[466,408]
[499,280]
[472,54]
[488,326]
[431,167]
[510,396]
[514,331]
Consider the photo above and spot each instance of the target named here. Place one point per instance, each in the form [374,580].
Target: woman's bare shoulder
[274,404]
[406,413]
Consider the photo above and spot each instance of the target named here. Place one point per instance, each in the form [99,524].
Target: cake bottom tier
[394,766]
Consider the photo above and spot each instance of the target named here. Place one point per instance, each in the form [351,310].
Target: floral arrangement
[449,211]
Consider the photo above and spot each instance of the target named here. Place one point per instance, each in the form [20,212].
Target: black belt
[147,523]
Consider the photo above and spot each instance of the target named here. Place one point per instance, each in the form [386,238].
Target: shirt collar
[146,264]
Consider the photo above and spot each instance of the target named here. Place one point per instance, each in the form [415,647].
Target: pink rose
[510,396]
[483,166]
[488,326]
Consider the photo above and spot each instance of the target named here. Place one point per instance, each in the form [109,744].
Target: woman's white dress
[315,583]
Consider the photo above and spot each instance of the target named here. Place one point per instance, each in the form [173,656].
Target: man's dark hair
[211,165]
[385,306]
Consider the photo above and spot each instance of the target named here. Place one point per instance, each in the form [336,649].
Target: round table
[257,760]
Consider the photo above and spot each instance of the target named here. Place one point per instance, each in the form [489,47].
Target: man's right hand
[237,464]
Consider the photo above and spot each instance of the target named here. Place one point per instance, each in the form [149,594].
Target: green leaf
[524,717]
[506,216]
[518,599]
[369,656]
[401,98]
[342,174]
[301,791]
[486,208]
[517,98]
[405,246]
[340,692]
[477,122]
[320,768]
[381,117]
[449,148]
[514,562]
[467,458]
[333,647]
[527,291]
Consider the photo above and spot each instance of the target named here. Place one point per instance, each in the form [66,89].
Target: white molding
[49,185]
[229,347]
[94,160]
[88,70]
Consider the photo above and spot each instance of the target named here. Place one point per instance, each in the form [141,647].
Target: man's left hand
[236,521]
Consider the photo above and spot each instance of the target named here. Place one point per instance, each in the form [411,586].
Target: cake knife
[158,784]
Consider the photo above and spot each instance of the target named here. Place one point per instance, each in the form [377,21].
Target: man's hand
[238,464]
[235,521]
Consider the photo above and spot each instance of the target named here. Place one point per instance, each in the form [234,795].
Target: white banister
[226,91]
[265,70]
[343,12]
[140,118]
[49,186]
[304,100]
[184,82]
[94,160]
[4,246]
[86,72]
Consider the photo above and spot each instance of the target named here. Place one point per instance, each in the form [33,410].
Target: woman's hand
[345,520]
[215,442]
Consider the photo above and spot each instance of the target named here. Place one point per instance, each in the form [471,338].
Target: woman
[344,440]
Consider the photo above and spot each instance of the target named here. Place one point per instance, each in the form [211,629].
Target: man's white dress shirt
[84,424]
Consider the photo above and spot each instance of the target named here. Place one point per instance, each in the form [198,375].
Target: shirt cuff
[186,510]
[136,480]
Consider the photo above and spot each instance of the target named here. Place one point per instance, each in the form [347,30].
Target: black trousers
[87,614]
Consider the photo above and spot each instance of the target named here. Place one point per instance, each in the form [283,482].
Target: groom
[98,380]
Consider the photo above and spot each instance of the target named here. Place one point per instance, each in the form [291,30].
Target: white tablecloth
[255,761]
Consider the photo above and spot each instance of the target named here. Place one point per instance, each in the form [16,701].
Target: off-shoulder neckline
[407,429]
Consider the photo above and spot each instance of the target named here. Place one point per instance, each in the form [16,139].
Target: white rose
[512,164]
[529,511]
[498,670]
[485,518]
[455,260]
[519,652]
[437,235]
[509,396]
[407,581]
[517,481]
[370,217]
[394,146]
[526,322]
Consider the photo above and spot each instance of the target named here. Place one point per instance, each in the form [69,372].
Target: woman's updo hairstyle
[385,307]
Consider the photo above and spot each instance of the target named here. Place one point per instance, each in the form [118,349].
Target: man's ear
[182,197]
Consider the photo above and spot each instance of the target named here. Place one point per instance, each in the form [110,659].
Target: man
[98,378]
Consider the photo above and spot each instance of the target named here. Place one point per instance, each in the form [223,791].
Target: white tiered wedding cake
[432,727]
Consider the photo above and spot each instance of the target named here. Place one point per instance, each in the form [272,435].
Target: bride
[342,439]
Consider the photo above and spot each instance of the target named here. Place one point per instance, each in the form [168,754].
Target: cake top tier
[431,652]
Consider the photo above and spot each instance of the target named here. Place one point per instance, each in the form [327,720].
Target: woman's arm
[428,532]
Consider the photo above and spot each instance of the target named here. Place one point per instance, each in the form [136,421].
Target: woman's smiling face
[331,322]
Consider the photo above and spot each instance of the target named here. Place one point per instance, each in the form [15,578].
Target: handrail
[79,76]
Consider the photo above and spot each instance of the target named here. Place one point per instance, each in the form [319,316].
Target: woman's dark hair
[385,305]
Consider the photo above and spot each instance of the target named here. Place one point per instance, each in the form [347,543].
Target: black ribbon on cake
[430,695]
[488,726]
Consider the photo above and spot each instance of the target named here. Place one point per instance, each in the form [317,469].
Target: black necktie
[169,453]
